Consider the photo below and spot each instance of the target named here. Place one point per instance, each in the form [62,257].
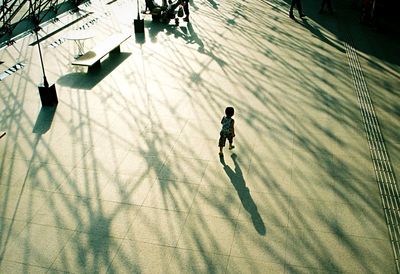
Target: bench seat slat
[101,50]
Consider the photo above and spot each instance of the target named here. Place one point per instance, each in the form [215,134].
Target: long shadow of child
[243,191]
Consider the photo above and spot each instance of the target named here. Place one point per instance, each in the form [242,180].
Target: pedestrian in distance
[227,131]
[296,3]
[326,4]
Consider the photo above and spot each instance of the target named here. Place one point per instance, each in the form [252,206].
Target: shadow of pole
[243,191]
[44,120]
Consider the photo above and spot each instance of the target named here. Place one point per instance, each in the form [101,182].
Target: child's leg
[231,146]
[221,143]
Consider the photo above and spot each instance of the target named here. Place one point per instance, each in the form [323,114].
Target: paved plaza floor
[123,176]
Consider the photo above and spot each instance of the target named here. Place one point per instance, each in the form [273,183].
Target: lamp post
[48,94]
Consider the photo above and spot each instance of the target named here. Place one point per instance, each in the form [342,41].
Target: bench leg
[116,50]
[95,66]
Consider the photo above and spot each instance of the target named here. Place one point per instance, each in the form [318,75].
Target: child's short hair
[229,111]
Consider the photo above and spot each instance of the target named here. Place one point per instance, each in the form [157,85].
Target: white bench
[109,45]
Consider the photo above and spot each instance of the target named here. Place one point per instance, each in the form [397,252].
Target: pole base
[48,95]
[139,25]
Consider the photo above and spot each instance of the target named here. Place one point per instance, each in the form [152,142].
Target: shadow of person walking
[243,191]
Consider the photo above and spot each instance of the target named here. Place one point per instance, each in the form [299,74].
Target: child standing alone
[228,130]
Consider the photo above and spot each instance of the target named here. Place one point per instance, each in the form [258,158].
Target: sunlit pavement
[123,176]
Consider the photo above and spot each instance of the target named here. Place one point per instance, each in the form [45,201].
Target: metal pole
[45,83]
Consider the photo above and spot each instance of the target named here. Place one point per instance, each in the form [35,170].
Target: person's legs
[291,8]
[230,140]
[186,10]
[221,143]
[299,8]
[326,4]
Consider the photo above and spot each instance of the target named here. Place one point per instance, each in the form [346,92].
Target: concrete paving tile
[210,150]
[300,269]
[85,183]
[50,126]
[207,233]
[10,230]
[192,147]
[275,143]
[104,159]
[341,145]
[46,177]
[311,249]
[73,137]
[314,214]
[273,113]
[136,164]
[29,247]
[349,131]
[88,253]
[61,155]
[270,176]
[338,252]
[265,208]
[21,204]
[162,102]
[97,138]
[61,211]
[115,139]
[236,161]
[203,128]
[15,267]
[260,241]
[140,257]
[199,109]
[310,165]
[216,201]
[22,147]
[13,172]
[362,255]
[243,265]
[150,144]
[183,169]
[157,226]
[358,192]
[128,189]
[325,189]
[172,195]
[215,175]
[351,166]
[106,218]
[364,220]
[193,261]
[97,115]
[312,119]
[166,125]
[120,137]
